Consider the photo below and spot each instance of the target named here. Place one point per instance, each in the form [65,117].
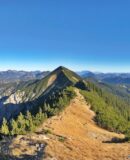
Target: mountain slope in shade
[58,79]
[32,94]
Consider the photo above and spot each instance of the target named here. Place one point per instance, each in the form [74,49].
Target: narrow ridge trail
[84,139]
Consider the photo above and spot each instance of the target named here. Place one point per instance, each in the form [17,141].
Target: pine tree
[30,126]
[50,111]
[39,117]
[45,107]
[5,128]
[61,102]
[21,121]
[14,126]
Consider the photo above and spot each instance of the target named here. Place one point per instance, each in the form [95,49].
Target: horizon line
[49,70]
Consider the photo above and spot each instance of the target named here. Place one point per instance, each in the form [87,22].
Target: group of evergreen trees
[112,112]
[23,124]
[54,103]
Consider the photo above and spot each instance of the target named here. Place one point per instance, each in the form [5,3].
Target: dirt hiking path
[83,138]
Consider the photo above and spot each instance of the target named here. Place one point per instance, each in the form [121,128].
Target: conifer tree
[5,128]
[21,124]
[30,126]
[14,126]
[39,117]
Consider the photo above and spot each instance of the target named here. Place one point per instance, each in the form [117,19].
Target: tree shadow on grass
[116,140]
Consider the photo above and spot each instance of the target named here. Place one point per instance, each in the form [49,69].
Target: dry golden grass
[75,136]
[84,137]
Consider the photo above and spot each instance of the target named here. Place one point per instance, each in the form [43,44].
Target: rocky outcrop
[15,98]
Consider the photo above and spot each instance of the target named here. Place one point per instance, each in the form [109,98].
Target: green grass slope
[112,111]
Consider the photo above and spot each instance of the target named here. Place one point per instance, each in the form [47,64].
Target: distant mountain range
[113,78]
[14,76]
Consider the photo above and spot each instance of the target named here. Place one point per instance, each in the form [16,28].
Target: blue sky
[82,35]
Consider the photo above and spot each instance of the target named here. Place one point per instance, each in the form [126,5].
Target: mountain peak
[72,76]
[60,68]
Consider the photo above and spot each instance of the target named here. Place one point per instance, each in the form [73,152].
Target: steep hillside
[7,88]
[32,94]
[112,111]
[71,135]
[58,79]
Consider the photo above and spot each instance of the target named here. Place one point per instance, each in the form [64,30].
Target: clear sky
[79,34]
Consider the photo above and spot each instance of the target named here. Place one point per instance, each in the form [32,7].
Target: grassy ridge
[112,111]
